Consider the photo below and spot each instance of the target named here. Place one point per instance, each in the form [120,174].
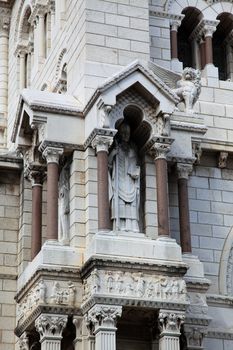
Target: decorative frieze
[49,293]
[134,285]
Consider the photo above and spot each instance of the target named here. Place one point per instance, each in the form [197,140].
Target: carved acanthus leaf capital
[170,321]
[24,342]
[184,170]
[50,325]
[36,177]
[52,154]
[102,143]
[104,316]
[175,23]
[159,150]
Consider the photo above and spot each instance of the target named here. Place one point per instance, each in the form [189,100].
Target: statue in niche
[124,182]
[189,88]
[64,208]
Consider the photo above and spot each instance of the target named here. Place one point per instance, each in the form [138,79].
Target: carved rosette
[102,143]
[50,325]
[170,322]
[104,316]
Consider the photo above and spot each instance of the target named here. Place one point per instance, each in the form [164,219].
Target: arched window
[222,46]
[188,51]
[25,50]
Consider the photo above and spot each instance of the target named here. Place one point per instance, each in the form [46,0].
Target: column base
[117,246]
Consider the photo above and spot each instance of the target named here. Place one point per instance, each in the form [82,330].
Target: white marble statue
[64,209]
[124,182]
[189,88]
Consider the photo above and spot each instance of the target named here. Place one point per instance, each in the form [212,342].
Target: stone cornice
[163,14]
[158,268]
[124,301]
[49,309]
[67,273]
[219,300]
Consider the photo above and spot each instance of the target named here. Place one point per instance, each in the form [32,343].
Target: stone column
[102,144]
[41,35]
[50,328]
[208,33]
[4,43]
[169,325]
[22,70]
[103,319]
[159,153]
[173,35]
[52,155]
[77,321]
[36,179]
[195,335]
[24,342]
[202,53]
[183,171]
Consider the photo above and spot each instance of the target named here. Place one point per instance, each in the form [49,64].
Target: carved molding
[104,316]
[50,326]
[170,321]
[134,285]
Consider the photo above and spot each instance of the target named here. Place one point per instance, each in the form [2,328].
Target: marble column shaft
[36,214]
[185,233]
[162,193]
[102,144]
[52,156]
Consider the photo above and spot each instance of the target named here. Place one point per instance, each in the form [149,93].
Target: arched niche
[187,44]
[226,266]
[222,46]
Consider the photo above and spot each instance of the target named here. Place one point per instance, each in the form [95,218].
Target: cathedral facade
[116,181]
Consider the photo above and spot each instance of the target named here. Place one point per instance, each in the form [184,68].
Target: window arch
[222,46]
[188,50]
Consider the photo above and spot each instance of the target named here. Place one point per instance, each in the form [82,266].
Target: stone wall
[9,223]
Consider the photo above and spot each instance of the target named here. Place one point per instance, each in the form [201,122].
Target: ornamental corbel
[103,114]
[195,335]
[222,160]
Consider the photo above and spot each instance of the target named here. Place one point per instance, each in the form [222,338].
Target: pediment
[151,79]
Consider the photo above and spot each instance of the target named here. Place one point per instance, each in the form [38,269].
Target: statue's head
[190,73]
[124,132]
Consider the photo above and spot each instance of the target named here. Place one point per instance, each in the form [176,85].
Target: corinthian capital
[104,316]
[170,321]
[159,150]
[52,154]
[49,325]
[184,170]
[102,143]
